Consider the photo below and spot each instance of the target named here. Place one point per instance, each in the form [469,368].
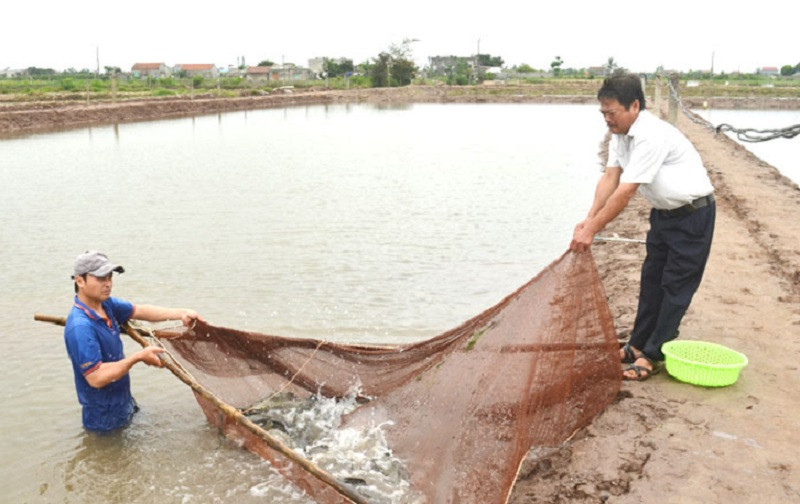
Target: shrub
[68,85]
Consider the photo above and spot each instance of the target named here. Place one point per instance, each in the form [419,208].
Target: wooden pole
[236,415]
[618,239]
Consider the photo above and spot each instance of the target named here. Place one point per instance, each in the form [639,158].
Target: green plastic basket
[702,363]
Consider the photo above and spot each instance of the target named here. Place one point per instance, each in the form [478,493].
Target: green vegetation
[86,85]
[473,339]
[337,68]
[393,67]
[787,70]
[555,66]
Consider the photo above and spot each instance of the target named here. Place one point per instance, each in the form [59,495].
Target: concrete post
[643,81]
[657,95]
[673,99]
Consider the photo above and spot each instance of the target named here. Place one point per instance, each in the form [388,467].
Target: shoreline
[663,440]
[29,117]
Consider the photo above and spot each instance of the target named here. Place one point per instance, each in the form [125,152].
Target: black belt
[689,207]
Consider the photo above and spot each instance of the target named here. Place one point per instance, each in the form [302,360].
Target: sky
[641,36]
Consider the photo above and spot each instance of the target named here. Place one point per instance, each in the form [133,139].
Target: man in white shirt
[653,157]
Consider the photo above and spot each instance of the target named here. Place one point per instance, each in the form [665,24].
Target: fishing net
[457,412]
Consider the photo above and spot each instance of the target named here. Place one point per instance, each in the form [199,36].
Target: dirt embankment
[30,117]
[37,116]
[666,441]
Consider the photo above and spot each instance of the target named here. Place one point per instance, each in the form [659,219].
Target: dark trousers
[677,252]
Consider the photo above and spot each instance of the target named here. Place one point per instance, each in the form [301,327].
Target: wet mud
[663,440]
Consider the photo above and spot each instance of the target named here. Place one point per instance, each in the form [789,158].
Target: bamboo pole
[618,239]
[236,415]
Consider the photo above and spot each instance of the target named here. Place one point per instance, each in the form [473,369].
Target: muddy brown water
[343,221]
[348,222]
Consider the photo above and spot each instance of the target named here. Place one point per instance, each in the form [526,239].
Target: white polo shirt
[657,156]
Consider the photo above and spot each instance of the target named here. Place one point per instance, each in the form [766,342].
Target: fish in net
[448,419]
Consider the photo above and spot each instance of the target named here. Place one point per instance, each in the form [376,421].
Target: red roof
[147,66]
[259,70]
[199,66]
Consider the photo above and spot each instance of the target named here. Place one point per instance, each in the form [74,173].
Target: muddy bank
[36,116]
[666,441]
[743,103]
[30,117]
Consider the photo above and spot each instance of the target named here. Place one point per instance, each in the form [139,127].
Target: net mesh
[460,410]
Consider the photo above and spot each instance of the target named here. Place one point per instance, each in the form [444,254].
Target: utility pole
[477,60]
[97,54]
[712,64]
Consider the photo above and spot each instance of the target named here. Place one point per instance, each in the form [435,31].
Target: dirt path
[672,442]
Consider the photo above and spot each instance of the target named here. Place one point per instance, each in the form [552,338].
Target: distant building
[206,70]
[444,65]
[258,73]
[232,71]
[768,71]
[597,71]
[316,65]
[157,70]
[12,72]
[289,72]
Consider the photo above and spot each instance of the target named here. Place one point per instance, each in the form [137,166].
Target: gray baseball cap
[96,264]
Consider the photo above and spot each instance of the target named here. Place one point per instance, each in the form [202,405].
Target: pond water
[344,222]
[782,153]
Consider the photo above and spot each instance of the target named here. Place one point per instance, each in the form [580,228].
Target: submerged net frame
[462,409]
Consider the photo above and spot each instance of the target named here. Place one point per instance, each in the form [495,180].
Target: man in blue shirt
[92,336]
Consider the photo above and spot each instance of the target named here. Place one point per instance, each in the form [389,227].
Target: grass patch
[474,339]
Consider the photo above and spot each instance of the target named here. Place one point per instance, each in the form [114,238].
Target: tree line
[395,67]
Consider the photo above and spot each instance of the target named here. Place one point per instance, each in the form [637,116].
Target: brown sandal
[629,354]
[643,373]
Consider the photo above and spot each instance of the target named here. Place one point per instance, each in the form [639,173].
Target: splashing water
[359,457]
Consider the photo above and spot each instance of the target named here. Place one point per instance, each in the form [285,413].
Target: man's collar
[86,309]
[636,123]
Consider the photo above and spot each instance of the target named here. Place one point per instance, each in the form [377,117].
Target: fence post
[674,98]
[657,94]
